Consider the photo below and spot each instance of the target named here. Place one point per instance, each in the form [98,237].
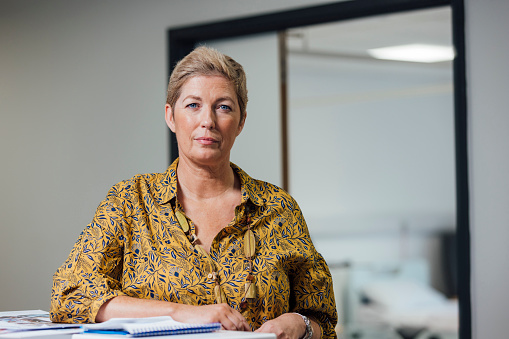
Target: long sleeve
[135,247]
[312,291]
[90,275]
[314,295]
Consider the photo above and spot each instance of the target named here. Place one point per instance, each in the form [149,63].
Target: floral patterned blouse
[136,247]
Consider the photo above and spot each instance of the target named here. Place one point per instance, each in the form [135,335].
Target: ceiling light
[414,53]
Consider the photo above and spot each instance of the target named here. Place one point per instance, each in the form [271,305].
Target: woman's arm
[310,280]
[91,274]
[128,307]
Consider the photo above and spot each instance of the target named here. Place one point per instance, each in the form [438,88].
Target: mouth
[206,140]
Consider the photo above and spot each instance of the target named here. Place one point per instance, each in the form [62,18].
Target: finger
[261,329]
[219,313]
[238,320]
[268,327]
[246,326]
[228,324]
[242,323]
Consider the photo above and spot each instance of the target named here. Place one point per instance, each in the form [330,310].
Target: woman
[202,242]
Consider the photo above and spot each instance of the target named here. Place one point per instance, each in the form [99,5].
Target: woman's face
[206,119]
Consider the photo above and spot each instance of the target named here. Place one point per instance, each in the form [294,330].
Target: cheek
[233,128]
[184,125]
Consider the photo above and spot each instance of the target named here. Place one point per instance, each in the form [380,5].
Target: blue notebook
[146,327]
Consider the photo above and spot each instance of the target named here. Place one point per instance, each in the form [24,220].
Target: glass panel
[371,147]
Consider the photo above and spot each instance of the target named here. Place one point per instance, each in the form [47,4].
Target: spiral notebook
[146,327]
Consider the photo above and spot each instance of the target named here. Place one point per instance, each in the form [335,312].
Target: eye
[225,108]
[192,105]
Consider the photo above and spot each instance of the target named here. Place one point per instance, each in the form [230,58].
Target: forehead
[208,87]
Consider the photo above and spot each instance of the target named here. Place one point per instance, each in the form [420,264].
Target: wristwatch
[309,329]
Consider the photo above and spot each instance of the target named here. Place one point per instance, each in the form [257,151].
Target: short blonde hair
[206,61]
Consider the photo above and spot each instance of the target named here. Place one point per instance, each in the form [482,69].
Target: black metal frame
[182,40]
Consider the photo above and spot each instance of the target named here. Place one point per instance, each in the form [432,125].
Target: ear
[168,116]
[241,124]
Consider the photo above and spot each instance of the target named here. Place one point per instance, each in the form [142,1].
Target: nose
[208,118]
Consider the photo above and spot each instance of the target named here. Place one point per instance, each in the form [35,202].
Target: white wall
[372,155]
[382,138]
[82,91]
[488,107]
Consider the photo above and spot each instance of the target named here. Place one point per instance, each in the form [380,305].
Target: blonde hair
[206,61]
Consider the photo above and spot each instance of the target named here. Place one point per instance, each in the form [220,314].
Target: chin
[209,158]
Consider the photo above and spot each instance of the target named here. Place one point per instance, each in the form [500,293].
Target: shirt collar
[248,187]
[165,189]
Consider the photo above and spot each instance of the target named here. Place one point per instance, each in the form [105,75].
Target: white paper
[120,323]
[28,321]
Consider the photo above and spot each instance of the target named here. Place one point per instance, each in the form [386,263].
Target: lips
[206,140]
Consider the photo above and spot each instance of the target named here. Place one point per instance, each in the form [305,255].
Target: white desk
[213,335]
[70,334]
[43,334]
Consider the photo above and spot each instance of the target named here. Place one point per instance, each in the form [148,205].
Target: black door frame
[182,40]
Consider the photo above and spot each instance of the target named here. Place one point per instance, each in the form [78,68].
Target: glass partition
[371,154]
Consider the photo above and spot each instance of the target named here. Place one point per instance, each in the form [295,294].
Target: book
[152,326]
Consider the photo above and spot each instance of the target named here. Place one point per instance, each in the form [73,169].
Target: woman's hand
[129,307]
[229,318]
[286,326]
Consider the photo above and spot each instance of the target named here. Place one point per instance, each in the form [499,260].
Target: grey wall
[82,93]
[81,103]
[488,102]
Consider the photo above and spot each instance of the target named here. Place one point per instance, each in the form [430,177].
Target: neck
[199,182]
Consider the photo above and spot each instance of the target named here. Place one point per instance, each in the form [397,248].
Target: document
[34,320]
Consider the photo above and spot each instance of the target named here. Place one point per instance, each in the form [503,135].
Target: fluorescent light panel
[414,53]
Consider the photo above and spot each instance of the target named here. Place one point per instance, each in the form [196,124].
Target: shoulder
[266,194]
[161,187]
[149,189]
[135,183]
[272,194]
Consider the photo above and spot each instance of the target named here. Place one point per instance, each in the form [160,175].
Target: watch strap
[309,329]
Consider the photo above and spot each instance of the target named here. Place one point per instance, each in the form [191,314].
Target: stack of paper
[35,323]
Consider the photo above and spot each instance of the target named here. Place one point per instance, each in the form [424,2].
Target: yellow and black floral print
[135,247]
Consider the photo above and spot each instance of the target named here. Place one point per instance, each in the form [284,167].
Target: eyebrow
[195,97]
[226,98]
